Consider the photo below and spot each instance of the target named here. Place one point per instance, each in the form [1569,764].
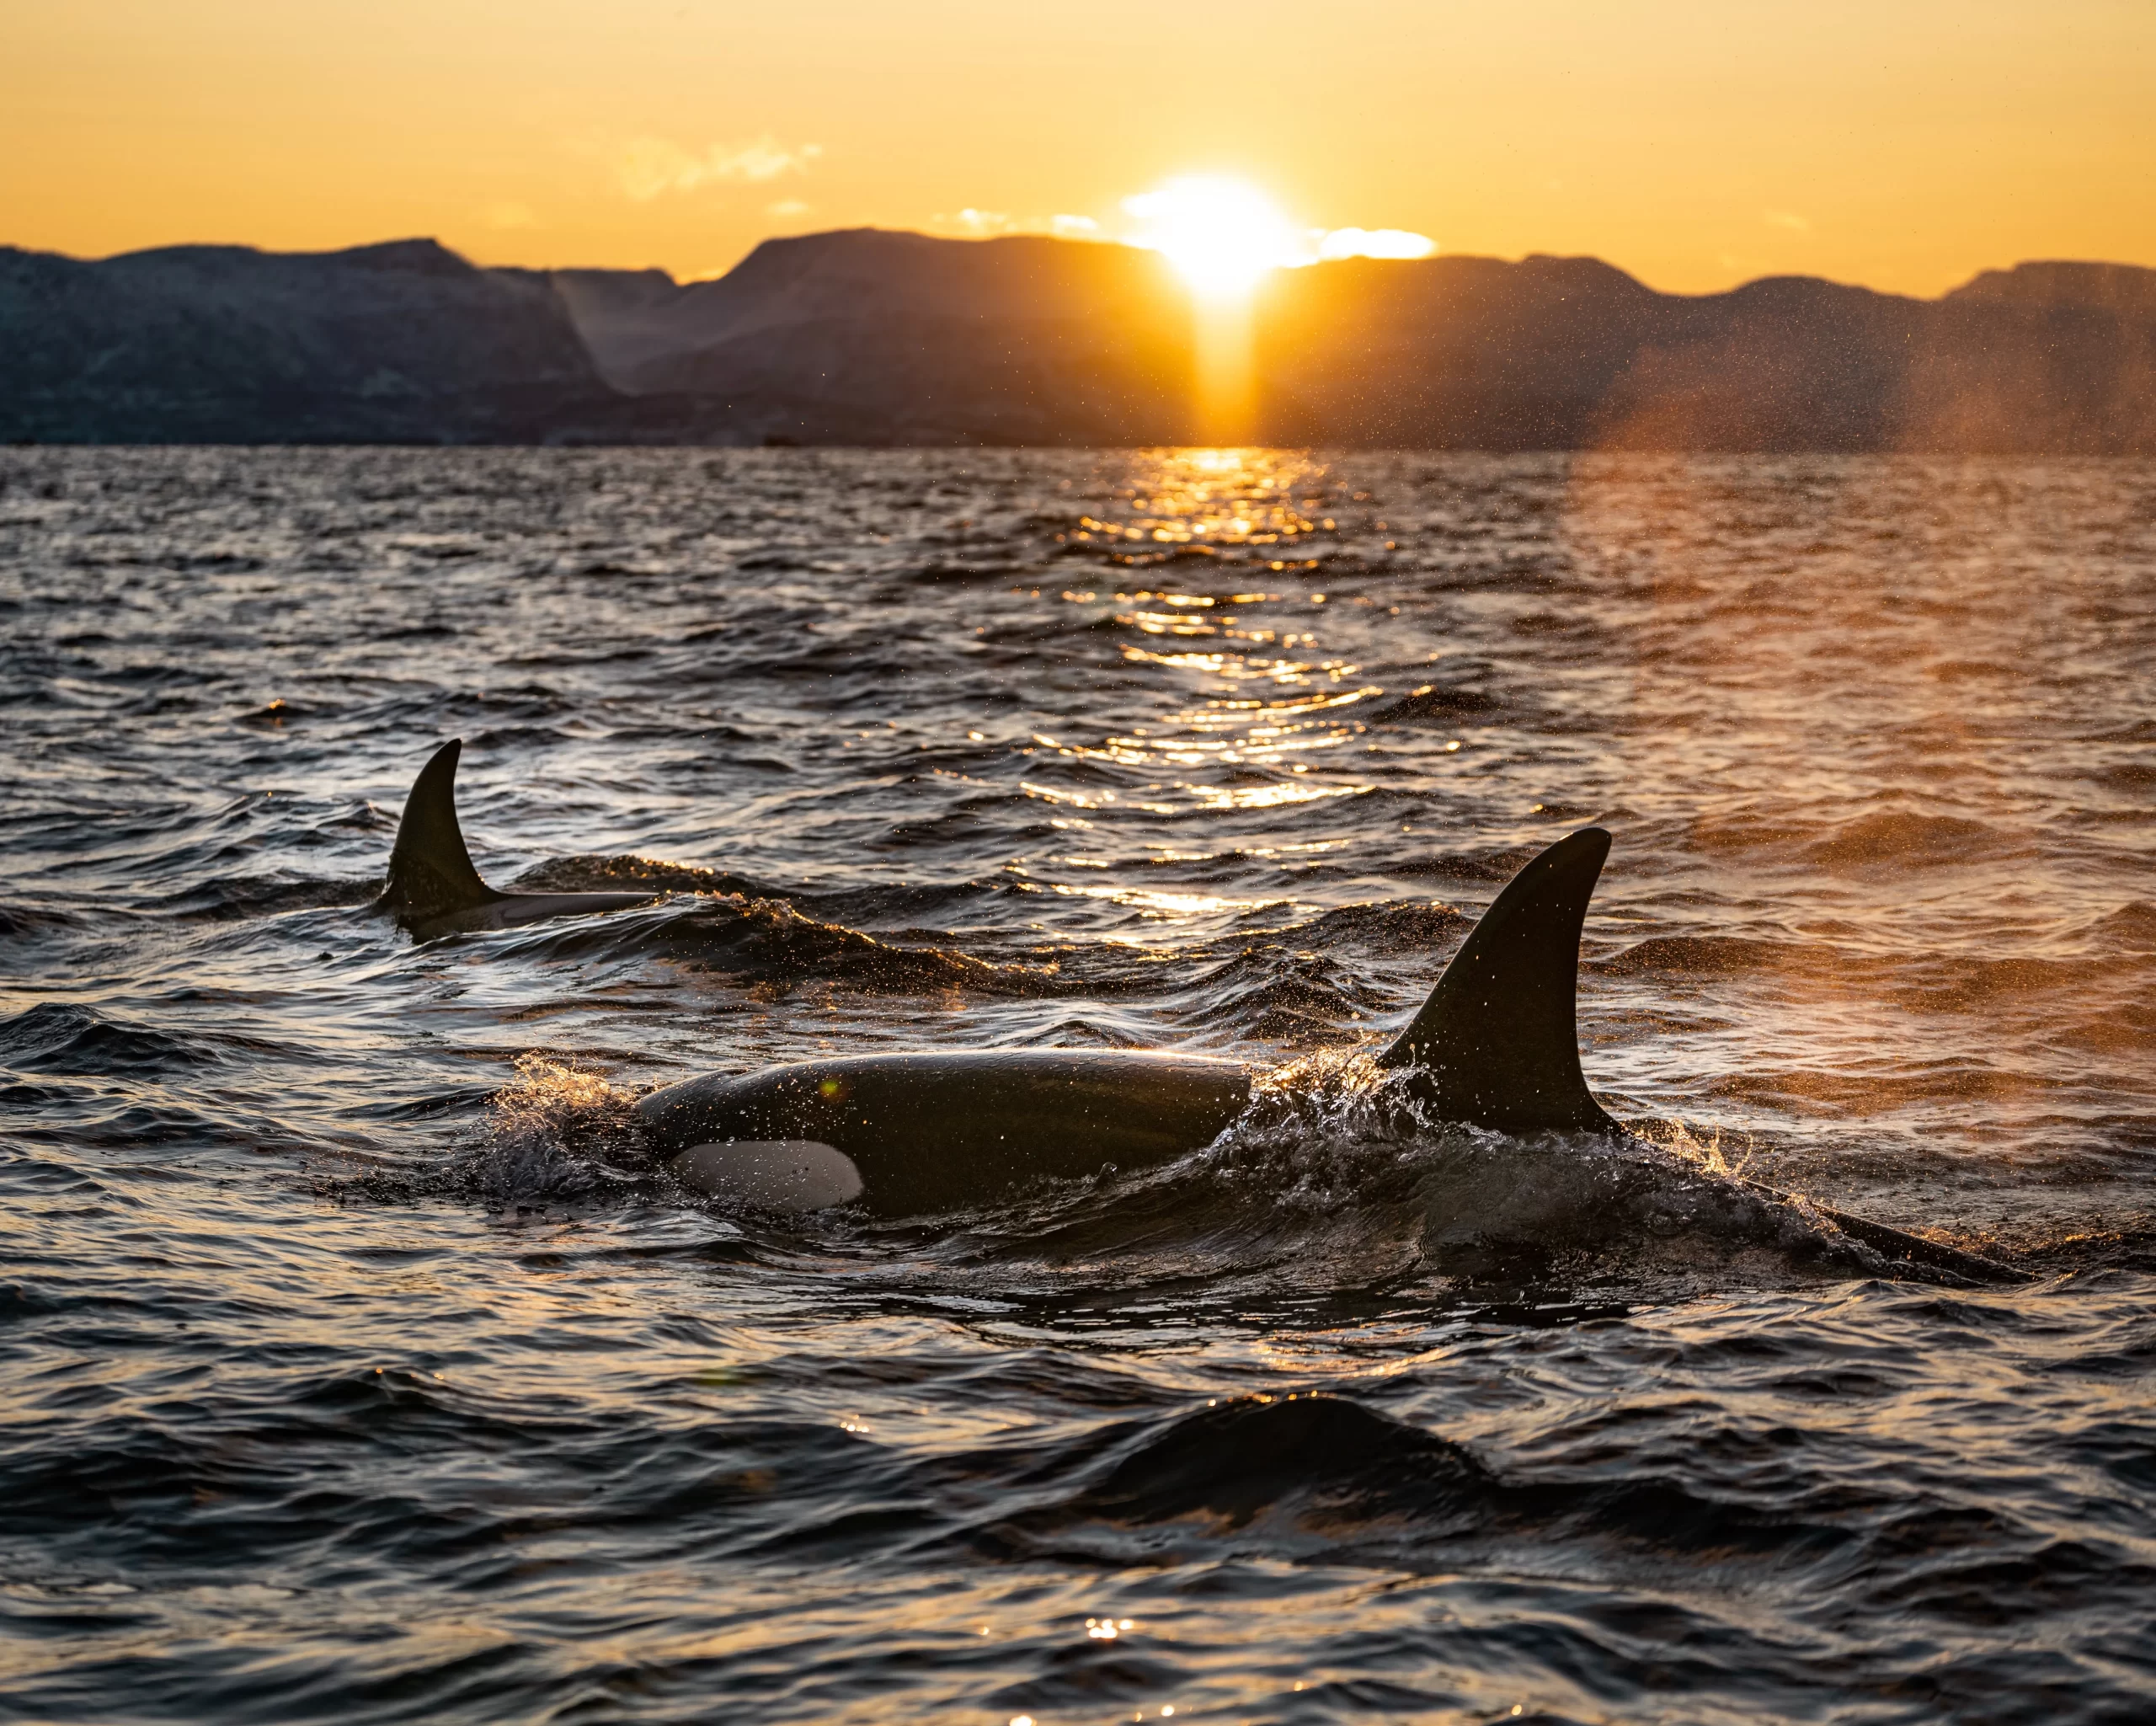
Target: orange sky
[1901,143]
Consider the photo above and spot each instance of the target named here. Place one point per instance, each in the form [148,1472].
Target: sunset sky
[1904,144]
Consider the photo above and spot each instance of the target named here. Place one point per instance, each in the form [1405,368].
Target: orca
[1495,1046]
[433,889]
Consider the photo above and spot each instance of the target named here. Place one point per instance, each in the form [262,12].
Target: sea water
[356,1364]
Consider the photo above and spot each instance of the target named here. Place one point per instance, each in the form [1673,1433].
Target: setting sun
[1221,234]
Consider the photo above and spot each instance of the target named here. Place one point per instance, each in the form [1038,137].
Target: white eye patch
[778,1174]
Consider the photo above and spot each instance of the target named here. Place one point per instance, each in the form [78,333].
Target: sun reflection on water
[1242,706]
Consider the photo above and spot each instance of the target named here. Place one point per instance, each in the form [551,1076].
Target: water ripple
[360,1365]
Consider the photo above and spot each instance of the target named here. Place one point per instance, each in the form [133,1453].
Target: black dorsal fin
[1496,1039]
[430,872]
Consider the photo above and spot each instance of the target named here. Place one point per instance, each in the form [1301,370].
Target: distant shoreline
[871,338]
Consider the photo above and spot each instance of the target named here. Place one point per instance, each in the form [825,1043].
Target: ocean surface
[356,1365]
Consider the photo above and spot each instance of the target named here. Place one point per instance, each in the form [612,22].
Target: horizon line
[1437,258]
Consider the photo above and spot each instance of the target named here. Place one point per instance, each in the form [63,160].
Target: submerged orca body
[433,889]
[1495,1047]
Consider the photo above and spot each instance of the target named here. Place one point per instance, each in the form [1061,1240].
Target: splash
[1726,1155]
[558,1134]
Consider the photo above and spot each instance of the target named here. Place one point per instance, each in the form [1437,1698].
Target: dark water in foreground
[353,1366]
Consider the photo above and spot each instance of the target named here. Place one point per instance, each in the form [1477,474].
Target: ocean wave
[365,1364]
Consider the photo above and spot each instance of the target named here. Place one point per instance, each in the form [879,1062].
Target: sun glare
[1221,234]
[1224,236]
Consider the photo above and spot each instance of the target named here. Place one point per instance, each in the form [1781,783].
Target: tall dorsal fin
[430,872]
[1497,1039]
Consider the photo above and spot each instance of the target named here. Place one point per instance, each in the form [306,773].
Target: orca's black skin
[946,1131]
[433,889]
[1495,1045]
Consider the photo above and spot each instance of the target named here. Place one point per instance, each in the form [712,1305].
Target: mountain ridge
[880,336]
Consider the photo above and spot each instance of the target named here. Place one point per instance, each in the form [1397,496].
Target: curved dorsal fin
[1495,1038]
[430,872]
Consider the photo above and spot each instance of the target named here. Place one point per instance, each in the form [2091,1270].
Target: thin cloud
[649,167]
[1297,249]
[988,224]
[1785,218]
[975,224]
[1376,243]
[788,208]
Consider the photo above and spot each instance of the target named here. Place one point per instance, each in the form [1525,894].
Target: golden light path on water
[1203,503]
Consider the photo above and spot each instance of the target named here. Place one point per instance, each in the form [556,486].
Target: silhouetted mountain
[400,343]
[2123,288]
[910,339]
[1020,340]
[879,338]
[215,343]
